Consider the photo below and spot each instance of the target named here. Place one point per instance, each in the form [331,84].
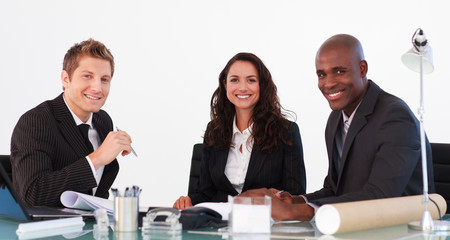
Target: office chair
[441,168]
[194,175]
[4,160]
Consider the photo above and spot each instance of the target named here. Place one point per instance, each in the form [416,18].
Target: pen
[132,150]
[136,191]
[114,192]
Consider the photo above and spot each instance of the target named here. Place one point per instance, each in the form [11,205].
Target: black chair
[441,168]
[194,175]
[4,160]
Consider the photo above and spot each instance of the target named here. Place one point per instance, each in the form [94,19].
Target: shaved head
[341,70]
[345,41]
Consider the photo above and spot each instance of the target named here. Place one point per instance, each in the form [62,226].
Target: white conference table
[298,230]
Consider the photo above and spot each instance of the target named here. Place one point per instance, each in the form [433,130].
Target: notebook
[12,206]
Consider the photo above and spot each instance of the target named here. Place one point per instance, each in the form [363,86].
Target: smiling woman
[242,86]
[249,142]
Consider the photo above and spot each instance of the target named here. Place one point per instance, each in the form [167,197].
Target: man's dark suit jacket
[381,156]
[283,169]
[48,155]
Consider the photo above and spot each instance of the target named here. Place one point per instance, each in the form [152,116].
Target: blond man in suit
[52,148]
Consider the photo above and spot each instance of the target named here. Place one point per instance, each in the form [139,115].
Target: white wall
[169,54]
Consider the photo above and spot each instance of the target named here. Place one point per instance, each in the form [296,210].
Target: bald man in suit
[68,143]
[372,138]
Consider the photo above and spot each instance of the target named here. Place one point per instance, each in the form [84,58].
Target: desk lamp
[420,59]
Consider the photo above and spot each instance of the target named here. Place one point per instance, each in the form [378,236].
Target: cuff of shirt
[92,166]
[311,205]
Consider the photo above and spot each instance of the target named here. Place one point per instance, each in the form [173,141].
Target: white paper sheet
[78,200]
[71,199]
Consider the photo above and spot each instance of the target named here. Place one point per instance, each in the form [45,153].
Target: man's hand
[183,202]
[287,197]
[282,195]
[114,143]
[282,211]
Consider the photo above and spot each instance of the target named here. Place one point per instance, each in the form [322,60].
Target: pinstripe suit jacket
[380,156]
[283,169]
[48,155]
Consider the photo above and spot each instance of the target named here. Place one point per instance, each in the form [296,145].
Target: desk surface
[298,230]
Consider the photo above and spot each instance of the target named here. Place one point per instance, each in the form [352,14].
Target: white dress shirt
[95,141]
[237,162]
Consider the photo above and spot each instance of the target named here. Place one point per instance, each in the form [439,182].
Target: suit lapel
[359,120]
[102,132]
[67,127]
[101,127]
[330,138]
[219,169]
[110,171]
[257,160]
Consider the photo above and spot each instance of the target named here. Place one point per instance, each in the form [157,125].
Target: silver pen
[132,150]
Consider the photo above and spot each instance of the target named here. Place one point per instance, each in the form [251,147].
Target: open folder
[71,199]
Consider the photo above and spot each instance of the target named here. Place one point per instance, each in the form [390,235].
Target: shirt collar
[349,119]
[76,118]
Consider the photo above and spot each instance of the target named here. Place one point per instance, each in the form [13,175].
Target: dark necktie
[84,129]
[340,137]
[336,157]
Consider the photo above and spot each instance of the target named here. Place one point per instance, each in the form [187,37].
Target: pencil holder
[126,210]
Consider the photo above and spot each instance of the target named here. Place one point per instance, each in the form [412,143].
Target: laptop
[12,205]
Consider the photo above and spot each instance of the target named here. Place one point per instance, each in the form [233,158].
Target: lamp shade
[411,59]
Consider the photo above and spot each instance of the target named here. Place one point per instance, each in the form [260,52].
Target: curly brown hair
[269,122]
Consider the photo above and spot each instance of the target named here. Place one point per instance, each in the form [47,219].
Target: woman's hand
[183,202]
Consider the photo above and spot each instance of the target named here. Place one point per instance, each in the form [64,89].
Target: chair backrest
[4,160]
[194,175]
[441,167]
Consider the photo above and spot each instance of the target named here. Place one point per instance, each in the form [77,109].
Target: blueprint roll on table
[360,215]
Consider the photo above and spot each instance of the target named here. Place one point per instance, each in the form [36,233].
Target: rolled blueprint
[353,216]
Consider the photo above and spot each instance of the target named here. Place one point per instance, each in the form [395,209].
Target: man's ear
[65,80]
[363,68]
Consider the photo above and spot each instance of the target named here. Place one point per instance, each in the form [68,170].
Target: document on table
[83,201]
[71,199]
